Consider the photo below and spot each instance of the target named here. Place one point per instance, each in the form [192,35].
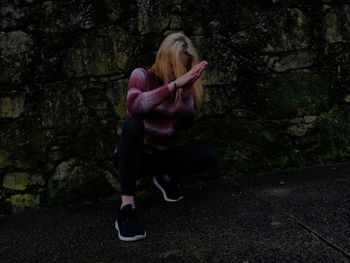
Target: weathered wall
[277,88]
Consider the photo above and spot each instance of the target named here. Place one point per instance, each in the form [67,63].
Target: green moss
[27,146]
[76,59]
[244,145]
[11,108]
[331,27]
[268,135]
[211,79]
[332,138]
[206,96]
[20,202]
[76,181]
[102,61]
[293,94]
[89,60]
[300,129]
[102,67]
[48,120]
[121,57]
[121,107]
[16,181]
[100,55]
[35,149]
[3,159]
[299,27]
[121,42]
[76,172]
[299,21]
[286,44]
[23,145]
[37,180]
[248,146]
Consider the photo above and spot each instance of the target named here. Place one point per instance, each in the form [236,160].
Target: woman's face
[186,60]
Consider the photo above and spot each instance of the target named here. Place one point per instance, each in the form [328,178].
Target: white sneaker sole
[135,238]
[163,192]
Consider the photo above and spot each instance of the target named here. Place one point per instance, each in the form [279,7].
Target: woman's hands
[187,80]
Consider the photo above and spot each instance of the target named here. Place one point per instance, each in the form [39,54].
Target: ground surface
[292,216]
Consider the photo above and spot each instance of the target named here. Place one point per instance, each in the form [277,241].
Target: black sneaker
[168,188]
[127,225]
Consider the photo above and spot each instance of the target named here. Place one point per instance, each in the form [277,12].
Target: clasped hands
[186,81]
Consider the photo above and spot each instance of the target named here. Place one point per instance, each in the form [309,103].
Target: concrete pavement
[301,215]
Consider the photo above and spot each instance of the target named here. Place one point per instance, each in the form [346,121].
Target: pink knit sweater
[148,96]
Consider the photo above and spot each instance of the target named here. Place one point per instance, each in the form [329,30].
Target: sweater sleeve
[139,99]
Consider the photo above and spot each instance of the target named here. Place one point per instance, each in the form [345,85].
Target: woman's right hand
[191,76]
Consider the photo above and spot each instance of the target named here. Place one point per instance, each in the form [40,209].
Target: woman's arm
[141,101]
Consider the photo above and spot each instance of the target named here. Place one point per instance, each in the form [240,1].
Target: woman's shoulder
[145,75]
[139,72]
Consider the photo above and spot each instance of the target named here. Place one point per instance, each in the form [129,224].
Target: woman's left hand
[198,69]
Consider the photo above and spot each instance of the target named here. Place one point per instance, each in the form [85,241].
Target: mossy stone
[4,159]
[23,144]
[11,107]
[121,108]
[16,181]
[17,53]
[37,180]
[105,54]
[22,202]
[75,180]
[291,95]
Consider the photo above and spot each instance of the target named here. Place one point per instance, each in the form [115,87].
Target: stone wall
[277,87]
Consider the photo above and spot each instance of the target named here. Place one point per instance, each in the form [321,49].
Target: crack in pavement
[308,229]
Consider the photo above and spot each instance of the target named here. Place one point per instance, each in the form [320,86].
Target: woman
[160,101]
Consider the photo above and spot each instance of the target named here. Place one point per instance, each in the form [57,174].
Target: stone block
[37,180]
[62,105]
[347,98]
[16,181]
[4,159]
[75,180]
[290,62]
[106,53]
[17,53]
[23,144]
[290,95]
[336,24]
[23,202]
[11,107]
[155,16]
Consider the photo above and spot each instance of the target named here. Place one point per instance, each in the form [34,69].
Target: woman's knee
[133,127]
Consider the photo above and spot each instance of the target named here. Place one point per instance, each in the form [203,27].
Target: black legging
[134,162]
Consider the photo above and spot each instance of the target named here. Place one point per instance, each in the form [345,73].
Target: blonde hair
[168,64]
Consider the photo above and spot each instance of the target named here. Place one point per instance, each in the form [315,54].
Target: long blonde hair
[168,64]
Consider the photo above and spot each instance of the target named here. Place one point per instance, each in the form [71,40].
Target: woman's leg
[130,153]
[182,160]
